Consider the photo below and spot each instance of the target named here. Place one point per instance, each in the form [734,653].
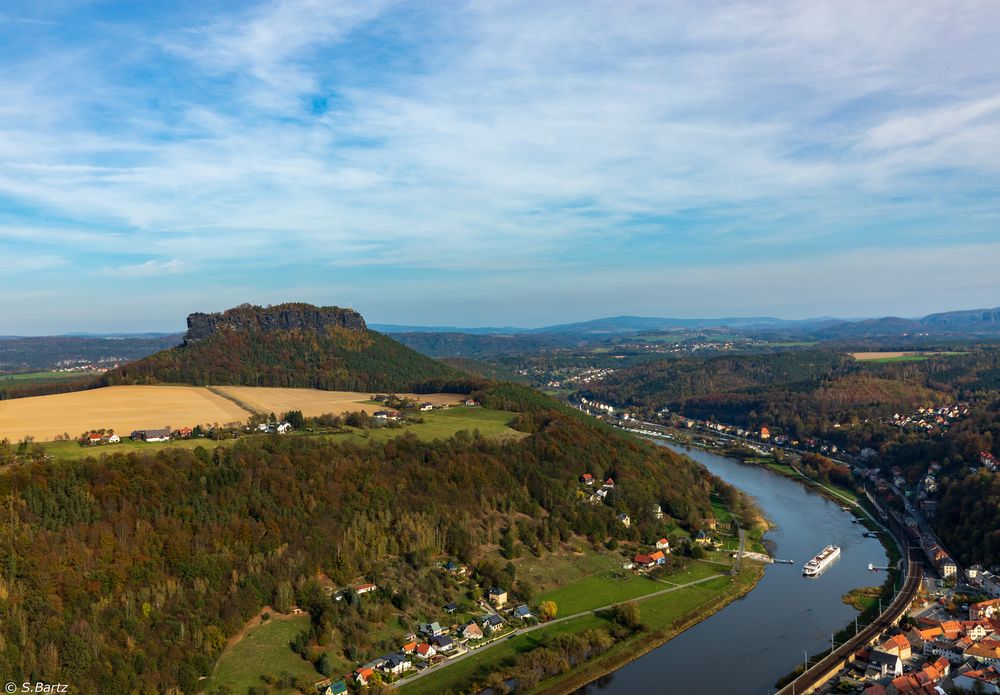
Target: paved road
[739,553]
[539,626]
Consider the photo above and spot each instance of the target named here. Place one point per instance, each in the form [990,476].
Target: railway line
[817,674]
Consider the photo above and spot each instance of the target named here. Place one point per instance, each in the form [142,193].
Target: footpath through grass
[664,617]
[265,649]
[606,588]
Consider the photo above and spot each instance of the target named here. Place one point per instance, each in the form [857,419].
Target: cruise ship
[821,561]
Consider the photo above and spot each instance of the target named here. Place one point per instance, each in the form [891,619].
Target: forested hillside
[127,573]
[290,346]
[802,392]
[811,393]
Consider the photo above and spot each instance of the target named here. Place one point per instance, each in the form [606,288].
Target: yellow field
[313,402]
[127,408]
[122,408]
[862,356]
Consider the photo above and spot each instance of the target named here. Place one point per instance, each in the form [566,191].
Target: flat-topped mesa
[248,318]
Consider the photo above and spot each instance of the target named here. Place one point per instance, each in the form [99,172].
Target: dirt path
[247,627]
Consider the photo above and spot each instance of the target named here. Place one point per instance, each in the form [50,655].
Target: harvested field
[862,356]
[313,402]
[122,408]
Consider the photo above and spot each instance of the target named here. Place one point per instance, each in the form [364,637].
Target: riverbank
[642,643]
[863,599]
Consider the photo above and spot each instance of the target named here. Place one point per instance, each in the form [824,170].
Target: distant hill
[968,322]
[393,328]
[40,353]
[634,324]
[619,324]
[494,342]
[987,320]
[289,345]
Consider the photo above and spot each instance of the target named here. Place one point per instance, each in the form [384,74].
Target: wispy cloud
[148,269]
[305,137]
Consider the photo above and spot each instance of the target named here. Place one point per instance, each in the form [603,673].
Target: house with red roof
[643,560]
[897,645]
[587,479]
[663,544]
[363,675]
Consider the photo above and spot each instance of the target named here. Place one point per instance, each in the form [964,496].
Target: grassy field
[43,377]
[660,614]
[439,424]
[264,649]
[881,357]
[313,402]
[607,587]
[66,451]
[722,515]
[564,568]
[665,617]
[122,408]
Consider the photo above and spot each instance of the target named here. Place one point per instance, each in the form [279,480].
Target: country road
[539,626]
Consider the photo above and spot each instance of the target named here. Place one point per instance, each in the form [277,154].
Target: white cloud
[500,136]
[151,268]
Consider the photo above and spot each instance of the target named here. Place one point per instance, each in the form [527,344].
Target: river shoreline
[857,509]
[633,678]
[643,643]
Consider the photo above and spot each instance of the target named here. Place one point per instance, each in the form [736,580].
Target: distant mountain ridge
[975,321]
[615,324]
[969,322]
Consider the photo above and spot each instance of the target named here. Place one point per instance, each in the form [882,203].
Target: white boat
[822,560]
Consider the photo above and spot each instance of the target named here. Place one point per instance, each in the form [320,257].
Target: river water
[748,645]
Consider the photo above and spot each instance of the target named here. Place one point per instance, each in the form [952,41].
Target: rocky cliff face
[248,318]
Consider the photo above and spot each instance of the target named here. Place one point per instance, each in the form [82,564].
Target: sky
[496,163]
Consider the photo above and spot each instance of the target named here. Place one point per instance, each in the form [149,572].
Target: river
[748,645]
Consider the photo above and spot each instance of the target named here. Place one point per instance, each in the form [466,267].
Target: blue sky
[496,163]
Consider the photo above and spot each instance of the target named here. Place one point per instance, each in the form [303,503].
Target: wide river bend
[748,645]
